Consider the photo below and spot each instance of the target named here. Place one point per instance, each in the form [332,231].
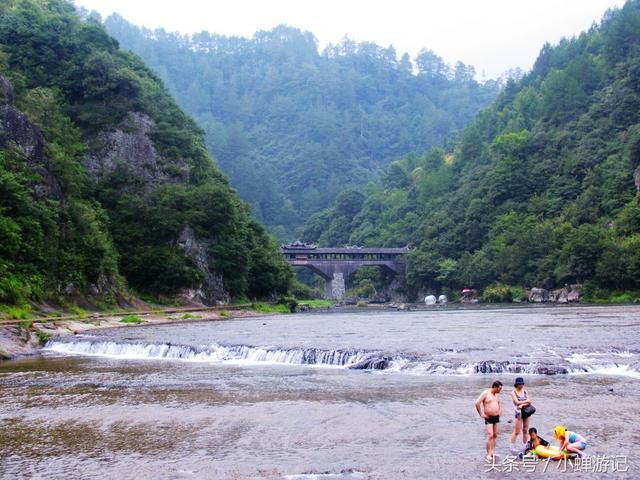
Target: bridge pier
[336,287]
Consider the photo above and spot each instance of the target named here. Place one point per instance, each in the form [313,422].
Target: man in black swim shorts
[492,420]
[489,407]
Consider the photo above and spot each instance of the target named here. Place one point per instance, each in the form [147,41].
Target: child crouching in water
[534,441]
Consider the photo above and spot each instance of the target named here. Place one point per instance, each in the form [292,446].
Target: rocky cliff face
[19,134]
[211,291]
[130,147]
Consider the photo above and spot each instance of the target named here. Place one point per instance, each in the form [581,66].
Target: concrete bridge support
[336,287]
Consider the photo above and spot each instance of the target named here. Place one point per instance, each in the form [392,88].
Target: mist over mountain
[293,127]
[541,189]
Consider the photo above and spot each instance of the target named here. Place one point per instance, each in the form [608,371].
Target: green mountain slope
[538,191]
[293,127]
[105,181]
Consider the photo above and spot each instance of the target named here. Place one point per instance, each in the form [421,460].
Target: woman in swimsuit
[571,441]
[520,398]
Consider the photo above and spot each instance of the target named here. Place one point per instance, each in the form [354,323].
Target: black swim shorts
[492,420]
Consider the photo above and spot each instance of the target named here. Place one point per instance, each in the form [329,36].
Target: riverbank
[21,338]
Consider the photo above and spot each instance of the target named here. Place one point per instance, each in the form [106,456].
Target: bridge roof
[347,250]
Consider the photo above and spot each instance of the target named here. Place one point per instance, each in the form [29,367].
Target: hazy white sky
[492,35]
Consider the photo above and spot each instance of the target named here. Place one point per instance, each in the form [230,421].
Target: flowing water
[344,395]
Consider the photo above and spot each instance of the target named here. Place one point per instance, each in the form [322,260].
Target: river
[365,394]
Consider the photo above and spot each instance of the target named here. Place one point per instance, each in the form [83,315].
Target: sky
[491,35]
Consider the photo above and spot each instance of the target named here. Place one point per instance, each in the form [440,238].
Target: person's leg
[494,440]
[576,447]
[517,427]
[487,444]
[525,429]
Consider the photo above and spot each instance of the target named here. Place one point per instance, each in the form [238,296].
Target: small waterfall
[218,353]
[583,363]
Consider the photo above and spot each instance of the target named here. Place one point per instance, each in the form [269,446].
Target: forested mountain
[539,189]
[293,127]
[105,181]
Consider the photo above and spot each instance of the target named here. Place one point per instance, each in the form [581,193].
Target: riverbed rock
[575,295]
[17,342]
[538,295]
[562,296]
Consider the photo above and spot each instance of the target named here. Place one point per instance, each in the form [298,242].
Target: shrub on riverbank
[603,296]
[503,294]
[131,319]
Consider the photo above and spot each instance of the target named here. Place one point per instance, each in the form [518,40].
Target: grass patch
[224,313]
[26,325]
[16,312]
[43,337]
[604,297]
[240,301]
[131,319]
[316,303]
[499,293]
[189,316]
[263,307]
[361,303]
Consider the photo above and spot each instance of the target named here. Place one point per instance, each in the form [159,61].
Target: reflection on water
[274,411]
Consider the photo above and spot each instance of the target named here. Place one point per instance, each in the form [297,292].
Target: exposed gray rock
[17,342]
[563,296]
[636,178]
[211,291]
[575,295]
[130,147]
[6,91]
[538,295]
[17,131]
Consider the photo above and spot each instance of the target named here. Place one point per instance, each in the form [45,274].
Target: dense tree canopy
[61,226]
[538,190]
[293,127]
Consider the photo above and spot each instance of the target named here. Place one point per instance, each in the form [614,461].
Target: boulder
[563,296]
[538,295]
[574,296]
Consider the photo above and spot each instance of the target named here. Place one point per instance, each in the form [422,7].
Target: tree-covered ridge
[294,127]
[538,190]
[80,208]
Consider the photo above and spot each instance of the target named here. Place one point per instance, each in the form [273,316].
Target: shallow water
[371,394]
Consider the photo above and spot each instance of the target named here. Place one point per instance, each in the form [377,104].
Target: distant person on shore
[572,442]
[489,407]
[534,441]
[520,398]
